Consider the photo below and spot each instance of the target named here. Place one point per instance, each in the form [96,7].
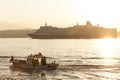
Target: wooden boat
[33,62]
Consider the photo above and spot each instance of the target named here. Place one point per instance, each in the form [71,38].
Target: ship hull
[34,36]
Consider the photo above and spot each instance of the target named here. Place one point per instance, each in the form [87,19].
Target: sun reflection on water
[106,49]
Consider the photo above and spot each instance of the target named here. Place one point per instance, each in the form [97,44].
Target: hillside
[15,33]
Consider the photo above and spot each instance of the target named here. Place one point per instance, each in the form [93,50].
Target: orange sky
[61,13]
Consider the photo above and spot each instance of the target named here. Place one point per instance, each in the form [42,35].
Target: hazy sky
[61,13]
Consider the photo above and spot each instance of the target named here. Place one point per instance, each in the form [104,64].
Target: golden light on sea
[106,50]
[106,47]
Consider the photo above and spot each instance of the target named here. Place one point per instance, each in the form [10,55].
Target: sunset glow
[106,48]
[61,13]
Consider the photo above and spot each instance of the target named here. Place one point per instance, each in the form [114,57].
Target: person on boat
[29,58]
[12,58]
[35,61]
[39,54]
[43,60]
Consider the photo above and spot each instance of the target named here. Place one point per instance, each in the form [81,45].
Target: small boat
[33,62]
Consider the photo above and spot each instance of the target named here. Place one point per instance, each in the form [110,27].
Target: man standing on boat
[39,54]
[43,58]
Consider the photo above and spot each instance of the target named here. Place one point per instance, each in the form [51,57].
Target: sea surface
[79,59]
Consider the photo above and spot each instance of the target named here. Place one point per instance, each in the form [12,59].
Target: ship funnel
[88,23]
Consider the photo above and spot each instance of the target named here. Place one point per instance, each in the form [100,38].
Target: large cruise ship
[87,31]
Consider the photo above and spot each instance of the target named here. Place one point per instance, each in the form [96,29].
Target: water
[79,59]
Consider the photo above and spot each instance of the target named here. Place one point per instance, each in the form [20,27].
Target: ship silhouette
[87,31]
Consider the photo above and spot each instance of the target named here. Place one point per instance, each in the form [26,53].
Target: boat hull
[24,65]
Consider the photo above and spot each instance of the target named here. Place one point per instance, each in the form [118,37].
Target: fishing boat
[33,62]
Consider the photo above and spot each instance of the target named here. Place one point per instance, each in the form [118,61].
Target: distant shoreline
[16,33]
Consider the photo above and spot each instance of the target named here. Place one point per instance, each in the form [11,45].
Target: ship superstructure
[77,31]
